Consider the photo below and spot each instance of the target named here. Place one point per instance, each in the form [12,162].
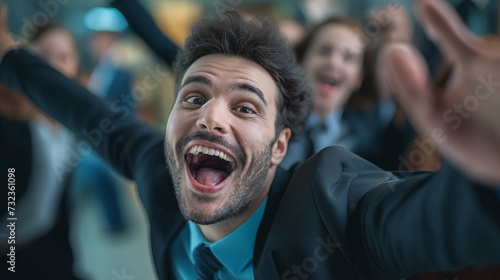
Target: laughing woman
[337,59]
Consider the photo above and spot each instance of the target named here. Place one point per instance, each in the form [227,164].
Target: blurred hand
[16,106]
[462,117]
[7,43]
[393,21]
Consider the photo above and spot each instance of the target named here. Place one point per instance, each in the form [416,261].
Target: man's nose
[214,117]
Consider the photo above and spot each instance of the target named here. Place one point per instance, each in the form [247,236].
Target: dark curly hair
[258,40]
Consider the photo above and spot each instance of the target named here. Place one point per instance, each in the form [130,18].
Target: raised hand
[463,117]
[15,106]
[7,43]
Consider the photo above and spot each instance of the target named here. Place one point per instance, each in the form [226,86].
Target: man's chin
[203,216]
[203,220]
[206,210]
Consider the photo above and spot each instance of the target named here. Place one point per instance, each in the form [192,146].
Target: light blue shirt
[330,132]
[234,251]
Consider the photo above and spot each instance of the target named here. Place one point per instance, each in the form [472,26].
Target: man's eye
[245,110]
[195,100]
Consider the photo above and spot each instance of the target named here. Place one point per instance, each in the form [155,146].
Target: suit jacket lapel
[278,187]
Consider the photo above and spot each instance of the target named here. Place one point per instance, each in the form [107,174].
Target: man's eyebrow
[249,88]
[197,79]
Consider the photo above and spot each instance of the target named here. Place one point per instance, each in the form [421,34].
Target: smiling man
[238,93]
[223,208]
[222,146]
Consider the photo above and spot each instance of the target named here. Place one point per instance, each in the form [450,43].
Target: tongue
[326,89]
[209,176]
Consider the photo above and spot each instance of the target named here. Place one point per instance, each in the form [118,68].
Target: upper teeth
[209,151]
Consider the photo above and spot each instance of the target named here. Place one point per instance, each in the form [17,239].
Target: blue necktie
[205,263]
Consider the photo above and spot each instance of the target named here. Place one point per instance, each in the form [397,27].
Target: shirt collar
[235,250]
[332,119]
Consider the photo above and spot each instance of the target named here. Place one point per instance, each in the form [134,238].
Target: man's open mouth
[209,166]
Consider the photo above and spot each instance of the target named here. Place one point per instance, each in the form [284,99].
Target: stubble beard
[247,187]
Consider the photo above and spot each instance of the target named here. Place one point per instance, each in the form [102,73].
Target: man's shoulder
[337,170]
[322,196]
[335,158]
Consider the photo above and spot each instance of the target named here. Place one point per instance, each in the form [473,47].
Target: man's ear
[280,146]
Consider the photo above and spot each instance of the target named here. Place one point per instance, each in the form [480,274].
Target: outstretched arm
[116,137]
[143,25]
[120,140]
[429,222]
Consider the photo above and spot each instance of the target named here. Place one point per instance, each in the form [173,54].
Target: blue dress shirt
[234,251]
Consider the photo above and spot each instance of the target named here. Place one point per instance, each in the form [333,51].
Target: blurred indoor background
[122,252]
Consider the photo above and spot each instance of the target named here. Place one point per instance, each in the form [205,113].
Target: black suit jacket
[335,217]
[370,138]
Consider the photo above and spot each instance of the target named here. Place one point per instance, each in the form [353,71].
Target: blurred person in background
[57,46]
[349,109]
[292,30]
[374,101]
[38,148]
[331,54]
[113,84]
